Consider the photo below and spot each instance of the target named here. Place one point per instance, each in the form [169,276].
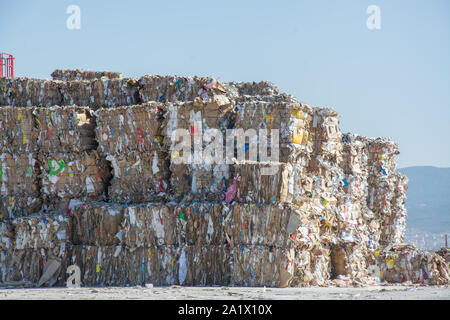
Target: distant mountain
[428,205]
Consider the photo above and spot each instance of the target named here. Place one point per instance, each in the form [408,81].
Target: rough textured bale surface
[77,74]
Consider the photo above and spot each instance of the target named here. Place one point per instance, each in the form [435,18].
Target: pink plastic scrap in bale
[231,192]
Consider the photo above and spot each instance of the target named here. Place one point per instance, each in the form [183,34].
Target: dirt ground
[231,293]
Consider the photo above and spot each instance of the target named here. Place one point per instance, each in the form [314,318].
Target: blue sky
[391,82]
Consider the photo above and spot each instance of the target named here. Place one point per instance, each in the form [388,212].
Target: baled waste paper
[92,175]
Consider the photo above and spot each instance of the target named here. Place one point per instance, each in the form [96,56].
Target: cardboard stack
[119,203]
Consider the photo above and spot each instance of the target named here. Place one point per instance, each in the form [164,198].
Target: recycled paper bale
[96,223]
[444,253]
[355,154]
[292,119]
[191,182]
[312,266]
[382,152]
[65,129]
[256,224]
[200,223]
[107,265]
[262,88]
[327,136]
[129,128]
[18,130]
[68,176]
[6,235]
[401,263]
[156,224]
[27,265]
[195,117]
[348,262]
[115,92]
[19,205]
[25,92]
[173,89]
[138,177]
[119,266]
[257,266]
[18,174]
[265,183]
[147,225]
[77,74]
[204,265]
[77,92]
[41,231]
[386,199]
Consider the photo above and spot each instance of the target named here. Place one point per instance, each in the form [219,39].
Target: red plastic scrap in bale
[6,65]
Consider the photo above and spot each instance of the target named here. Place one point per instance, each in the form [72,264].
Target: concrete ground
[231,293]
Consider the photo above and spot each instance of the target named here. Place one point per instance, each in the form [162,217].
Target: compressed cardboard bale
[19,205]
[173,89]
[68,176]
[200,223]
[25,92]
[163,265]
[108,265]
[444,253]
[255,224]
[6,235]
[18,130]
[248,181]
[327,136]
[66,129]
[27,265]
[254,183]
[396,224]
[96,223]
[201,265]
[149,225]
[41,231]
[386,197]
[355,154]
[157,224]
[77,74]
[312,266]
[129,128]
[195,117]
[18,174]
[401,263]
[349,263]
[190,182]
[117,92]
[291,118]
[20,194]
[138,177]
[382,152]
[119,266]
[77,92]
[259,266]
[262,88]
